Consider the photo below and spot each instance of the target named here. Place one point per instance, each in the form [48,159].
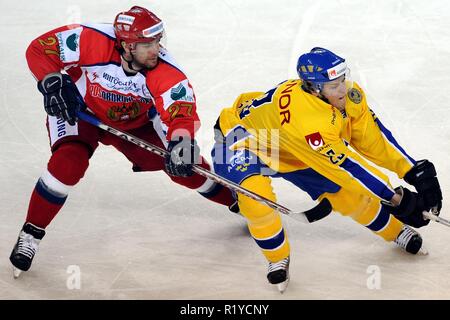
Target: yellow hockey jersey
[290,129]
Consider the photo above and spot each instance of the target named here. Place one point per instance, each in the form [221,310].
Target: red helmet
[137,25]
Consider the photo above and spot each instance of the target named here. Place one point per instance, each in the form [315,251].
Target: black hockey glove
[183,154]
[423,177]
[61,96]
[410,209]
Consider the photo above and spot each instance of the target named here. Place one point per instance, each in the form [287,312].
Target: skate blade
[282,286]
[423,251]
[16,272]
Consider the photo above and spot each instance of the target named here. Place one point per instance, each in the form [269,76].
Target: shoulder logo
[354,95]
[72,41]
[314,140]
[178,92]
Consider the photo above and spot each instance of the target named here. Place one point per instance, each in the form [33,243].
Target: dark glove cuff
[407,204]
[423,170]
[57,76]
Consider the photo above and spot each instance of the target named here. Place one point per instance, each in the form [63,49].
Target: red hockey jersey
[89,55]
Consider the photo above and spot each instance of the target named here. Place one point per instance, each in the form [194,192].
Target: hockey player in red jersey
[120,73]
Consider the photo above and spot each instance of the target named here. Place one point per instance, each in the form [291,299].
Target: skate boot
[25,248]
[235,208]
[278,274]
[410,240]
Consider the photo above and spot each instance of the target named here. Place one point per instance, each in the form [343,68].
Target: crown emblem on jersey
[354,95]
[124,112]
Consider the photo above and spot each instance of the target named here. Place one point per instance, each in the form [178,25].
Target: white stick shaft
[436,218]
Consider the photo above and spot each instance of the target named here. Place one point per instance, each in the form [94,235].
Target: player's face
[335,91]
[146,54]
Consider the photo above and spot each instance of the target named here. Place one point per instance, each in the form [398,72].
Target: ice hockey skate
[410,240]
[278,274]
[234,208]
[25,249]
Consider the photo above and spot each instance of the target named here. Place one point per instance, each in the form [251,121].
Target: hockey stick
[435,218]
[316,213]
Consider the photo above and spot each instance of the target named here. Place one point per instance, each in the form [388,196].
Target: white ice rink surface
[139,236]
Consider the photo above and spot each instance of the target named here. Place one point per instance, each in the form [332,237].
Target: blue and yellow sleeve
[346,168]
[375,142]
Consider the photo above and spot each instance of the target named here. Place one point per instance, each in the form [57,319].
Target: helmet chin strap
[130,62]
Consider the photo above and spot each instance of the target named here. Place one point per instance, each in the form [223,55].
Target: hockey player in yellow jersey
[318,133]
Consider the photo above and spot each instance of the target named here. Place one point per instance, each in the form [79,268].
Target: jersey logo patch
[72,42]
[124,112]
[354,95]
[178,92]
[314,140]
[68,40]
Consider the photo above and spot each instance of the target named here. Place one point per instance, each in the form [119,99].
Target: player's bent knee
[367,211]
[253,209]
[348,203]
[69,162]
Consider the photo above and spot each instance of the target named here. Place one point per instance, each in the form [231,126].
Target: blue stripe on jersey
[310,181]
[43,191]
[271,243]
[152,112]
[375,185]
[236,165]
[392,140]
[380,221]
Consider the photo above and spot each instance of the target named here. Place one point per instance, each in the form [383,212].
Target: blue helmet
[320,66]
